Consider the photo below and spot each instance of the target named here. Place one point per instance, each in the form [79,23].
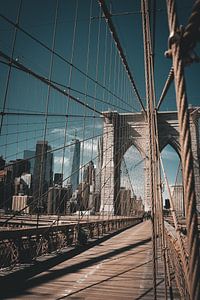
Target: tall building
[28,154]
[2,163]
[49,167]
[22,185]
[177,197]
[123,205]
[88,174]
[75,149]
[6,189]
[58,179]
[90,178]
[99,165]
[58,199]
[18,167]
[42,175]
[14,169]
[83,196]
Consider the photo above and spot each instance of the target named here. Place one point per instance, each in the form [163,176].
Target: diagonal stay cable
[80,92]
[58,55]
[46,81]
[120,49]
[166,87]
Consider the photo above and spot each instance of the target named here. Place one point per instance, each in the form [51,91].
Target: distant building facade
[6,189]
[12,178]
[42,175]
[58,179]
[27,155]
[124,205]
[20,203]
[58,199]
[75,150]
[177,197]
[17,167]
[2,163]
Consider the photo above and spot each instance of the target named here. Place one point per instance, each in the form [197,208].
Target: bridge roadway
[119,268]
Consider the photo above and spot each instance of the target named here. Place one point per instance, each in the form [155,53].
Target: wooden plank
[119,269]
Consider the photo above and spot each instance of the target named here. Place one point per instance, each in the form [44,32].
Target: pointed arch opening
[131,192]
[173,170]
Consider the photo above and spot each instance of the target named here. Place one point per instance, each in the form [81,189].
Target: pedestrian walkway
[119,269]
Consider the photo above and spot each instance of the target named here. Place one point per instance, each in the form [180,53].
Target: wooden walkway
[119,268]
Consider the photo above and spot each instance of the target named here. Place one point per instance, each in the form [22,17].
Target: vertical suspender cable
[69,86]
[120,50]
[86,97]
[10,66]
[44,150]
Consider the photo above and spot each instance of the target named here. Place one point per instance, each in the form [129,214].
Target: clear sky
[78,36]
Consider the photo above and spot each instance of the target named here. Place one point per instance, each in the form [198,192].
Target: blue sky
[83,39]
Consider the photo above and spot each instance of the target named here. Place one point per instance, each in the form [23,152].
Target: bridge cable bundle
[193,269]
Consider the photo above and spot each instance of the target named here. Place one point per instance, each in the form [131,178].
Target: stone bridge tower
[124,130]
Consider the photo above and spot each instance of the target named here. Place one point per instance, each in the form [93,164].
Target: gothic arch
[173,142]
[121,131]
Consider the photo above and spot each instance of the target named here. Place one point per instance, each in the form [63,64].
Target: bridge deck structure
[117,268]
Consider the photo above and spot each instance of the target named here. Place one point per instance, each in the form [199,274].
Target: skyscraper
[75,149]
[58,179]
[99,165]
[28,154]
[42,175]
[49,167]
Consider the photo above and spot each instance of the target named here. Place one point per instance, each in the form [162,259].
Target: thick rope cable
[191,33]
[186,157]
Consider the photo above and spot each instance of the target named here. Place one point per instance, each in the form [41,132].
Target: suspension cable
[186,156]
[58,55]
[65,179]
[10,67]
[46,81]
[120,49]
[166,87]
[150,98]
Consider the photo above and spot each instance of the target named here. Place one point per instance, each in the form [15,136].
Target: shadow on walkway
[105,280]
[21,284]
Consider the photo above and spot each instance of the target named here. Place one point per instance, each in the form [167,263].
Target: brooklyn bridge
[100,149]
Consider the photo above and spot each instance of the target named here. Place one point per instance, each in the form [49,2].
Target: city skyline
[71,46]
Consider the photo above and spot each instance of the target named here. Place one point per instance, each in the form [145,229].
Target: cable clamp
[188,56]
[175,37]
